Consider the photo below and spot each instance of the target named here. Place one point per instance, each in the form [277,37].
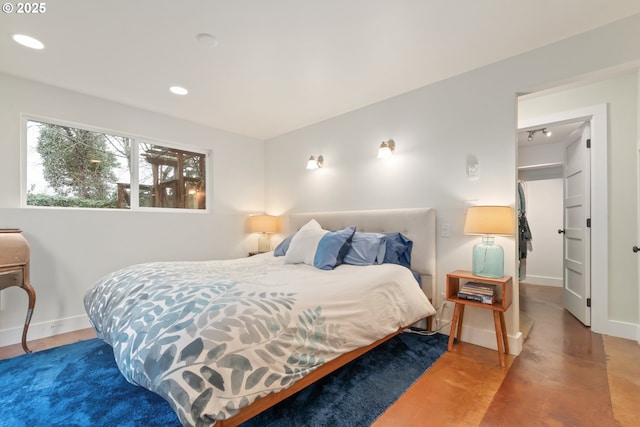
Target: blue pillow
[283,247]
[366,249]
[398,249]
[417,276]
[332,248]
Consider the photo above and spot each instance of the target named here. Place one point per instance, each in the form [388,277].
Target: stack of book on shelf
[481,292]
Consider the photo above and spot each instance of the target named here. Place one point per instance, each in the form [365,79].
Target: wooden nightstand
[500,305]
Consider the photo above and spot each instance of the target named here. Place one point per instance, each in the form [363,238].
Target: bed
[222,341]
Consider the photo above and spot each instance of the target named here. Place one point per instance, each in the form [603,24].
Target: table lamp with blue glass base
[488,257]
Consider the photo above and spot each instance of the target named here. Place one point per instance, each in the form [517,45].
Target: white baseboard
[487,338]
[482,337]
[622,329]
[44,329]
[515,343]
[543,280]
[617,328]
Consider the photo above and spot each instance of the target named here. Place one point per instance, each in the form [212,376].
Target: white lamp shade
[386,149]
[312,163]
[384,152]
[490,220]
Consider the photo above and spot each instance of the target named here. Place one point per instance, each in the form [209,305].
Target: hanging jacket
[524,232]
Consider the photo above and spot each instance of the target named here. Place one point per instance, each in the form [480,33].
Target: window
[72,167]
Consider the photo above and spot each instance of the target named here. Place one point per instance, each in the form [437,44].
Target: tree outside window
[72,167]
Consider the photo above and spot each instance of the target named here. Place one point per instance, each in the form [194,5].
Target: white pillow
[304,244]
[311,225]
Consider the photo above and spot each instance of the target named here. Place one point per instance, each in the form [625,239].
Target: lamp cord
[437,318]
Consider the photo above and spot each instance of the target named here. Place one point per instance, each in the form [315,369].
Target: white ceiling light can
[27,41]
[207,39]
[178,90]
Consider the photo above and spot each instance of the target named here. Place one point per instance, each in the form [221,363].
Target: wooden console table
[14,270]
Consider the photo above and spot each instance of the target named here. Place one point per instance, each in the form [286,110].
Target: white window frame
[134,170]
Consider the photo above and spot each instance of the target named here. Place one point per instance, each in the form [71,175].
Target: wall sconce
[386,149]
[265,225]
[314,163]
[473,171]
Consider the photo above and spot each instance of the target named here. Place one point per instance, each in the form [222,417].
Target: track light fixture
[532,133]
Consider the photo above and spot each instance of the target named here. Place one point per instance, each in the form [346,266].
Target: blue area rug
[79,385]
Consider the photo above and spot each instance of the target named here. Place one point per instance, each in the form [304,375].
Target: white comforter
[212,337]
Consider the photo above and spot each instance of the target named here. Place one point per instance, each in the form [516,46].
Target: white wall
[72,248]
[436,128]
[620,93]
[530,156]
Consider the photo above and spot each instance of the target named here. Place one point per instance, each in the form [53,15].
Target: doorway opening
[544,168]
[554,206]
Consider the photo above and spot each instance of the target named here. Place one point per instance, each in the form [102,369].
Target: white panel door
[577,236]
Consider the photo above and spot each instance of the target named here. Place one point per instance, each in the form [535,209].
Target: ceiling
[279,65]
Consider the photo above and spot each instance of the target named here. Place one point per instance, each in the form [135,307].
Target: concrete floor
[565,376]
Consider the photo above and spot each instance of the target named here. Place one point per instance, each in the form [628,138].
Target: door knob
[636,249]
[560,231]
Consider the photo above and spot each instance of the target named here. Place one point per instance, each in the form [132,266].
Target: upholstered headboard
[418,224]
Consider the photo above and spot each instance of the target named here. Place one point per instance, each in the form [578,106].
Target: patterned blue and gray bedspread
[212,337]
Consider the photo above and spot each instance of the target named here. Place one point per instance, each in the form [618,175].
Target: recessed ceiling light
[207,39]
[27,41]
[178,90]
